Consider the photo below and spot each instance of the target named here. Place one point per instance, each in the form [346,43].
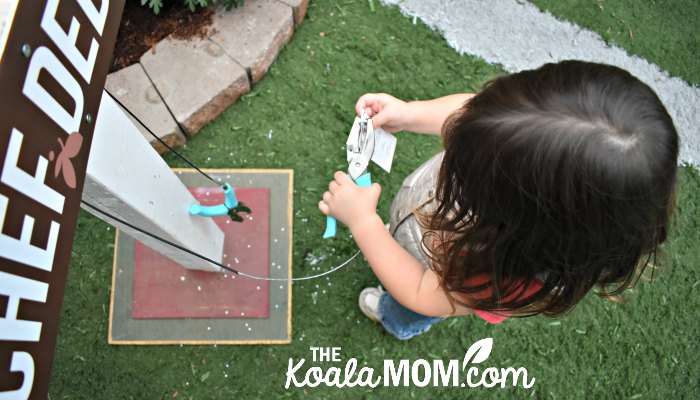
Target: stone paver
[135,91]
[196,78]
[299,7]
[191,82]
[254,33]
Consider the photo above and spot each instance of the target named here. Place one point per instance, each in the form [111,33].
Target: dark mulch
[141,30]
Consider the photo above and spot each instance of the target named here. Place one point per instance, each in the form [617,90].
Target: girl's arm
[402,275]
[426,116]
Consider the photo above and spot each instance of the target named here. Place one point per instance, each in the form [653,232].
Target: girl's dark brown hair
[564,174]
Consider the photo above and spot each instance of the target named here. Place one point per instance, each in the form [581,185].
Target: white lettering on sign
[44,59]
[31,186]
[22,250]
[24,363]
[67,42]
[19,288]
[97,18]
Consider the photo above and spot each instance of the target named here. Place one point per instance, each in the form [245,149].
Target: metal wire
[177,246]
[161,140]
[235,271]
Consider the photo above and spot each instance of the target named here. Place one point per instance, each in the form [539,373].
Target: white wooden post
[128,179]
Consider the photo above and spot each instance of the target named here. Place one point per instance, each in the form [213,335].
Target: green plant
[157,5]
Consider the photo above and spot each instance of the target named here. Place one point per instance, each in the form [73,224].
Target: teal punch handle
[218,210]
[331,227]
[331,223]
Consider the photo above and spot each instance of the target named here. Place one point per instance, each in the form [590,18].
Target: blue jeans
[402,322]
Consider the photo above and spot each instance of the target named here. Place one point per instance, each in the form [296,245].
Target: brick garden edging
[193,81]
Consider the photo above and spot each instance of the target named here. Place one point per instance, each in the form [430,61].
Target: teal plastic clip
[219,210]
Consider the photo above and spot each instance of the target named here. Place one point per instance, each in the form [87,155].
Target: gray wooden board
[276,329]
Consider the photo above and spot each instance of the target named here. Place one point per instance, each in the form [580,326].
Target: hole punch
[360,147]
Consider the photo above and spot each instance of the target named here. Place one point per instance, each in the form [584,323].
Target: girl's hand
[349,203]
[395,115]
[386,111]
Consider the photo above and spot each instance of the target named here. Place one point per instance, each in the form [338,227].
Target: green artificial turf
[665,32]
[645,349]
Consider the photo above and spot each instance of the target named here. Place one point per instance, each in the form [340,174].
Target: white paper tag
[384,147]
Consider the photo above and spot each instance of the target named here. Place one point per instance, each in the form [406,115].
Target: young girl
[552,181]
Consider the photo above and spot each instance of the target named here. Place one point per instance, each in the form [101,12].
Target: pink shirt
[490,317]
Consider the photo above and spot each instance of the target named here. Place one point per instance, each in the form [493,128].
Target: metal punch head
[362,137]
[362,148]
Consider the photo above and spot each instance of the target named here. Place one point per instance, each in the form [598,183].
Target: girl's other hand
[349,203]
[386,111]
[425,116]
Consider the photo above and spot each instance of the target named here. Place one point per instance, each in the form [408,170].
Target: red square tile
[164,289]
